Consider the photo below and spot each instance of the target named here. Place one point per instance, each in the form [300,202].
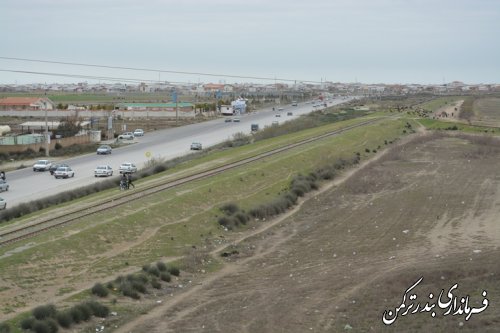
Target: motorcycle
[123,184]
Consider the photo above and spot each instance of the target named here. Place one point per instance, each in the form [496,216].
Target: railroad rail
[52,222]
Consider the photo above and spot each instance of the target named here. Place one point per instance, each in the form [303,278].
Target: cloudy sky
[369,41]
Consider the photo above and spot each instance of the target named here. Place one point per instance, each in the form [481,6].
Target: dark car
[54,167]
[196,146]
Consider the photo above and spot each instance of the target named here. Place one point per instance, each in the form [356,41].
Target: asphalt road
[27,185]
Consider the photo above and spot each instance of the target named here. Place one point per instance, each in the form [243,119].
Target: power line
[155,70]
[92,77]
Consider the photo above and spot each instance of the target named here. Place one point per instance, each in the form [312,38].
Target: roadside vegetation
[158,165]
[183,218]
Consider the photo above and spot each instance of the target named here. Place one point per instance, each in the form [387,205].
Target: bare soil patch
[427,209]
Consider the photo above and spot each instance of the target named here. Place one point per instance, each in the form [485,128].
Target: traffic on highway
[26,184]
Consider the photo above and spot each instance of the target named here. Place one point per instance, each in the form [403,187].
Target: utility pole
[175,99]
[47,137]
[176,110]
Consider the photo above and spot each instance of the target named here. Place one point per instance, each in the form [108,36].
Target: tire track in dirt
[233,268]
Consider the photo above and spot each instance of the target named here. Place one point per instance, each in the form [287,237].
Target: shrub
[40,326]
[224,221]
[139,286]
[64,319]
[145,268]
[174,271]
[52,324]
[127,290]
[299,190]
[85,311]
[165,276]
[155,283]
[291,197]
[159,168]
[58,146]
[100,290]
[161,266]
[142,278]
[4,328]
[76,314]
[153,270]
[44,311]
[241,217]
[230,208]
[27,323]
[98,309]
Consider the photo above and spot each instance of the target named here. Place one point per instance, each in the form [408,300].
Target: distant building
[183,107]
[26,103]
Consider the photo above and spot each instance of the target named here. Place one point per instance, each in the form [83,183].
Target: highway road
[27,185]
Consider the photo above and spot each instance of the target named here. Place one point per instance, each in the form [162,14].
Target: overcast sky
[369,41]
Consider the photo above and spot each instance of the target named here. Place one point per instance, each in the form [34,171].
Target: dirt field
[429,209]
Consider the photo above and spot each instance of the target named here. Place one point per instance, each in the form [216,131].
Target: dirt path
[450,112]
[232,268]
[349,251]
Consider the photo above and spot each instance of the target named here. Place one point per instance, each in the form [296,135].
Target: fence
[39,142]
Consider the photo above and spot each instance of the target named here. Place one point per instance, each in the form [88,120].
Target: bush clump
[64,319]
[41,326]
[4,328]
[155,283]
[174,270]
[98,309]
[161,266]
[76,315]
[27,323]
[230,208]
[100,290]
[153,270]
[165,276]
[44,311]
[85,311]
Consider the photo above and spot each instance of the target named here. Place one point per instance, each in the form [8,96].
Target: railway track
[52,222]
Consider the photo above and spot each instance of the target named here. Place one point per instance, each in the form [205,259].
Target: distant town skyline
[366,41]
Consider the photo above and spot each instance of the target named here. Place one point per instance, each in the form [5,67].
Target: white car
[3,203]
[64,172]
[127,167]
[126,136]
[139,132]
[103,171]
[104,150]
[42,165]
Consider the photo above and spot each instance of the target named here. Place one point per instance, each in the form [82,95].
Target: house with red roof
[26,103]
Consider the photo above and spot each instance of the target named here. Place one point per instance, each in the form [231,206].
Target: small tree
[68,127]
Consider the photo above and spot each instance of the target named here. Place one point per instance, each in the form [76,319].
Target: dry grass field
[487,111]
[427,209]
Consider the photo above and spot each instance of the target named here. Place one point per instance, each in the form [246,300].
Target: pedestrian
[129,180]
[2,175]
